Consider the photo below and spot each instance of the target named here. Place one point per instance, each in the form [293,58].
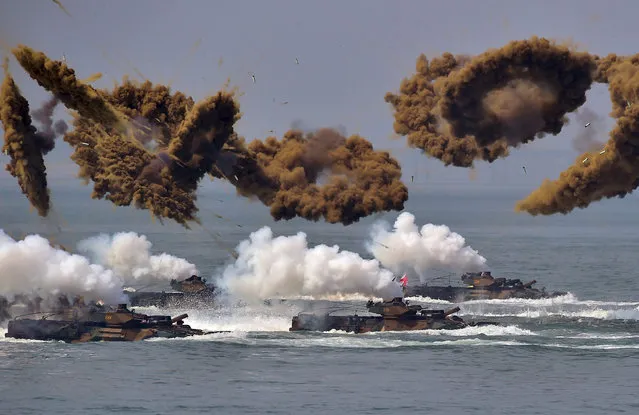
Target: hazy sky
[350,52]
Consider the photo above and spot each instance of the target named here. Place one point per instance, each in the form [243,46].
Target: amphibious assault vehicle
[393,315]
[481,286]
[96,322]
[190,291]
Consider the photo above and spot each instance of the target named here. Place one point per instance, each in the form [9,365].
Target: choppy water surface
[574,354]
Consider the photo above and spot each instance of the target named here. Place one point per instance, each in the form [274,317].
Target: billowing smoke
[33,266]
[433,246]
[24,145]
[461,109]
[357,181]
[611,171]
[141,144]
[128,255]
[285,266]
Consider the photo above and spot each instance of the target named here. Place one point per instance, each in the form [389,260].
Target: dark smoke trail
[461,109]
[44,116]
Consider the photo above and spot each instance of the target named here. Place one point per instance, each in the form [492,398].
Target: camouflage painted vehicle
[481,286]
[190,291]
[79,324]
[393,315]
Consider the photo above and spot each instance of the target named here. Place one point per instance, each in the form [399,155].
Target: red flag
[404,280]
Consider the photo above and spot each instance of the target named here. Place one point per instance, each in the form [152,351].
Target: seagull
[297,61]
[585,160]
[64,58]
[285,102]
[86,144]
[252,76]
[525,172]
[586,125]
[602,151]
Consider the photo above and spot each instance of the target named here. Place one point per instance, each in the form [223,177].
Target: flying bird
[586,126]
[525,172]
[297,61]
[585,160]
[252,76]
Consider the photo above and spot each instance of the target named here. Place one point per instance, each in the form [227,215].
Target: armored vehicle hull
[481,286]
[79,325]
[395,315]
[189,292]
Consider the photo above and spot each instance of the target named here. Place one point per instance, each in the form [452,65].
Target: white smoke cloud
[285,266]
[33,266]
[432,246]
[129,256]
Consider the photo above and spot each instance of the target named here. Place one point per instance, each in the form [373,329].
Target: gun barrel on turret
[179,318]
[451,311]
[530,284]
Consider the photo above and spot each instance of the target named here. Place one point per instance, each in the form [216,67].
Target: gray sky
[351,53]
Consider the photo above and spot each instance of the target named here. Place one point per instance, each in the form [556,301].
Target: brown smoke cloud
[610,172]
[141,144]
[461,109]
[321,174]
[24,145]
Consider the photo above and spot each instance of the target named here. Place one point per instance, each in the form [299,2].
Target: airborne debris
[62,7]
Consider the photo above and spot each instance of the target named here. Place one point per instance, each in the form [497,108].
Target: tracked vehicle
[79,324]
[393,315]
[188,292]
[481,286]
